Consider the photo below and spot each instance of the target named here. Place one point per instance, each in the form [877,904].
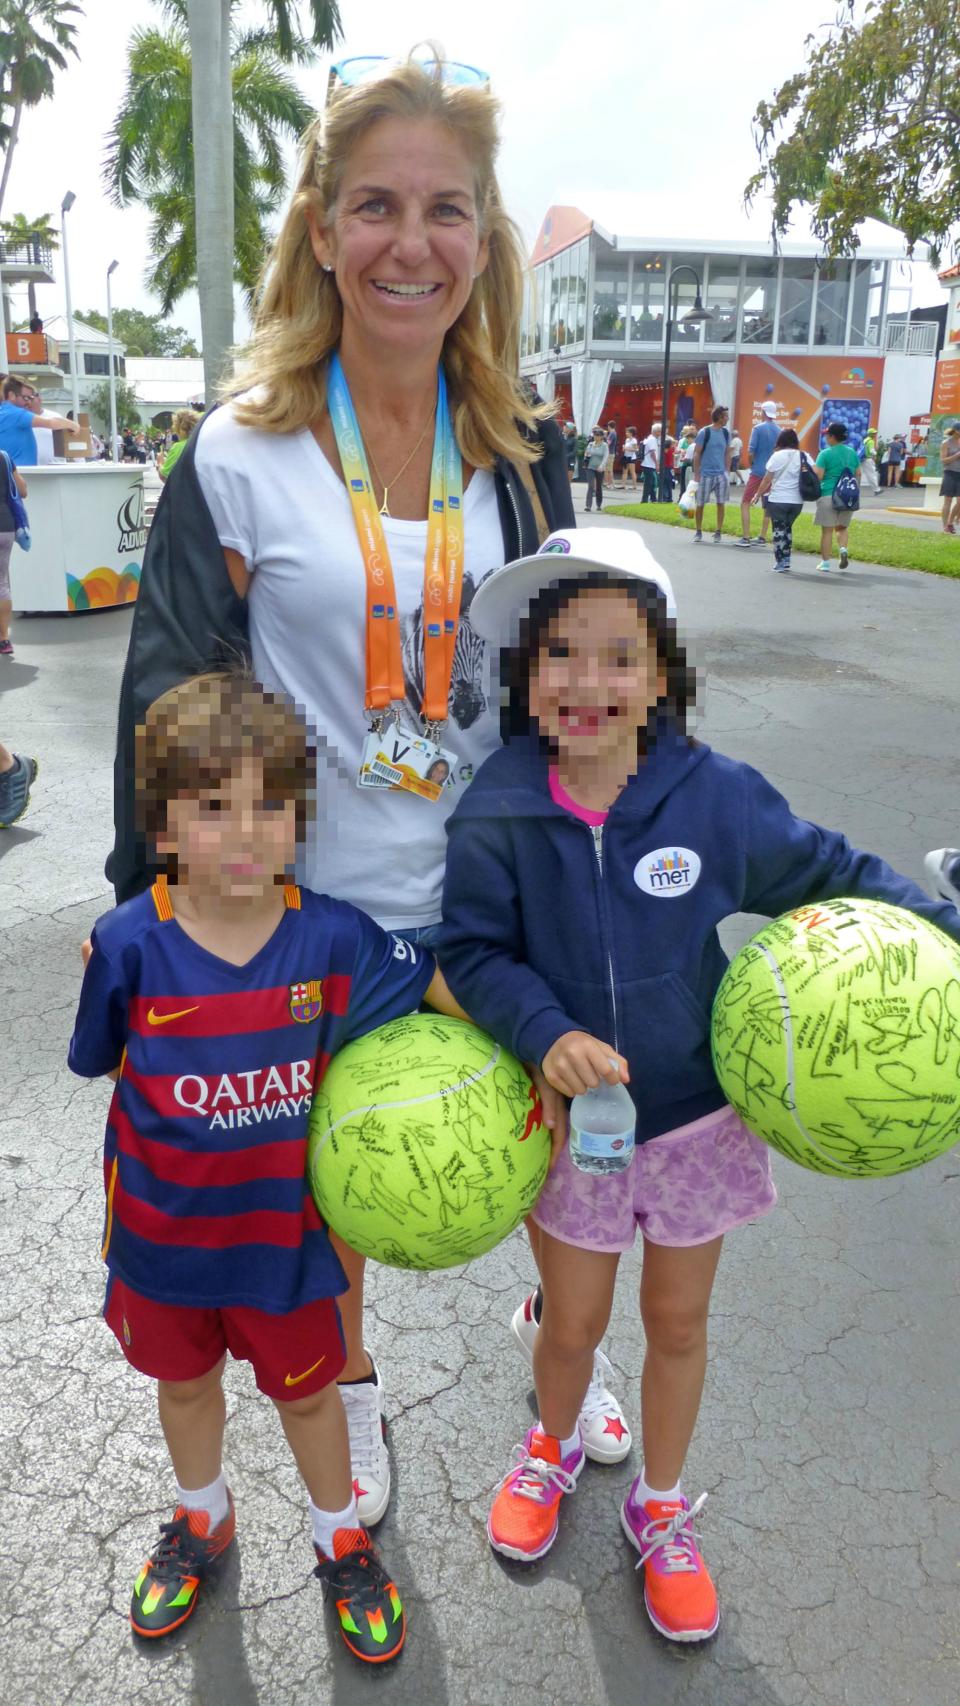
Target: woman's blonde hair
[298,315]
[184,422]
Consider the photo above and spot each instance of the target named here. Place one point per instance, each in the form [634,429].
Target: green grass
[870,542]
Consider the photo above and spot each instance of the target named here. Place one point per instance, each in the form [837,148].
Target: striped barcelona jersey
[205,1152]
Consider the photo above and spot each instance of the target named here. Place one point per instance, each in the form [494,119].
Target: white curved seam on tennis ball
[788,1027]
[417,1101]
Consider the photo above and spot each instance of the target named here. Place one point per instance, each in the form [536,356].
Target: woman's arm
[189,618]
[20,482]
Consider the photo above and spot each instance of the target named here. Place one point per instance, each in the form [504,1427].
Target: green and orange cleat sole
[372,1621]
[167,1588]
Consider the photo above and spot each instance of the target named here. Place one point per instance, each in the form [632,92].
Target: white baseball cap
[770,410]
[568,554]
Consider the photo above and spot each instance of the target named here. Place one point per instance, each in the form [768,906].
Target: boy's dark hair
[788,440]
[721,409]
[837,430]
[516,661]
[194,736]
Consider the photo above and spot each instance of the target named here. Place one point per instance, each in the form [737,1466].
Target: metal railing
[918,338]
[25,252]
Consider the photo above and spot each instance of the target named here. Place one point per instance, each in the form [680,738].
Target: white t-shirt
[630,448]
[651,451]
[784,466]
[275,498]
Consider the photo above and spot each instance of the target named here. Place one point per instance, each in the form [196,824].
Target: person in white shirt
[651,464]
[631,450]
[781,487]
[736,451]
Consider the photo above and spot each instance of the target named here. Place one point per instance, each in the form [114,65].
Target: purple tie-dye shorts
[685,1187]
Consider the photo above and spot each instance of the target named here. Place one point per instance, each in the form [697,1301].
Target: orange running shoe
[165,1592]
[525,1514]
[680,1598]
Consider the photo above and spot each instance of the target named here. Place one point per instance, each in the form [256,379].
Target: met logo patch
[668,872]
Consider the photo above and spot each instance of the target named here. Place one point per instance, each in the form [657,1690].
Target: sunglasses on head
[369,68]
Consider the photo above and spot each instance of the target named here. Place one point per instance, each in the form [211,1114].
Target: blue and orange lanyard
[443,563]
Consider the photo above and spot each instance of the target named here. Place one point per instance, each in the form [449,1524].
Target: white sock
[212,1499]
[566,1445]
[643,1490]
[326,1523]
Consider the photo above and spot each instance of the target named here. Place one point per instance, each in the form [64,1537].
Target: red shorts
[751,488]
[292,1356]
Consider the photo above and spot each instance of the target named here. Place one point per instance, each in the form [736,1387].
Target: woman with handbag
[12,485]
[785,470]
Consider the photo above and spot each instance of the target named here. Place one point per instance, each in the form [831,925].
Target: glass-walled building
[592,297]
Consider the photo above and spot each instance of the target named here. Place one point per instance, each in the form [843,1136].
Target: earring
[327,267]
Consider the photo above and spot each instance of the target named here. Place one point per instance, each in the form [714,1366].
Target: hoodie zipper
[516,514]
[596,830]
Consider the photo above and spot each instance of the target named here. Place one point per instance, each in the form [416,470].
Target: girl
[590,863]
[784,504]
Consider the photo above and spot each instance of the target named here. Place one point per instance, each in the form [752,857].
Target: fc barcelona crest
[306,1002]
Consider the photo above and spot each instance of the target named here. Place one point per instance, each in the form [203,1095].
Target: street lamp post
[113,377]
[65,207]
[693,316]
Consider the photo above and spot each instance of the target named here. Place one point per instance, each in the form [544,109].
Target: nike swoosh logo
[295,1379]
[154,1018]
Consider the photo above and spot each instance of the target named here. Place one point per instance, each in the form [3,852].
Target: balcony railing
[25,252]
[918,338]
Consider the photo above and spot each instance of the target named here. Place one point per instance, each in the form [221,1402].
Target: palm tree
[150,155]
[35,38]
[209,28]
[20,232]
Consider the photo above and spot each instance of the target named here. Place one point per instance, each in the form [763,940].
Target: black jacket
[189,620]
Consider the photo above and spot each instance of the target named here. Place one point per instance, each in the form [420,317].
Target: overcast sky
[637,113]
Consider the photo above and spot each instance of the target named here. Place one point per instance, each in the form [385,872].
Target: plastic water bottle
[603,1125]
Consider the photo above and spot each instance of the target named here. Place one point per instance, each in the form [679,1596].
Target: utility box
[74,446]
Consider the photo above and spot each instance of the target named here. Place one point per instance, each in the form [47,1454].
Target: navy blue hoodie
[550,926]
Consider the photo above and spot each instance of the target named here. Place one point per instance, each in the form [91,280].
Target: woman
[835,460]
[184,422]
[595,462]
[686,451]
[781,487]
[631,450]
[396,253]
[8,533]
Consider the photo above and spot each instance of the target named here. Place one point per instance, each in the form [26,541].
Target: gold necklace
[384,507]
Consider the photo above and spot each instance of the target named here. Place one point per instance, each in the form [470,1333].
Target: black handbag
[808,479]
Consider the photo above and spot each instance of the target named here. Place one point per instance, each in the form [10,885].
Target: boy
[216,1000]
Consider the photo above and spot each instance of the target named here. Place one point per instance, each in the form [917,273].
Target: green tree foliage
[98,403]
[142,334]
[871,128]
[19,229]
[35,38]
[150,152]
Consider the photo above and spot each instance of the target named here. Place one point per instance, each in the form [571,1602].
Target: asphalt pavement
[828,1439]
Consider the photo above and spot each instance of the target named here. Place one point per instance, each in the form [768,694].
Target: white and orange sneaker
[603,1425]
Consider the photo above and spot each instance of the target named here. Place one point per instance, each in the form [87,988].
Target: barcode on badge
[385,772]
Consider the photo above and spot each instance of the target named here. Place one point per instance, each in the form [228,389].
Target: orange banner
[946,387]
[798,384]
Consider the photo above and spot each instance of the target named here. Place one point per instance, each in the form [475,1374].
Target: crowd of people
[709,461]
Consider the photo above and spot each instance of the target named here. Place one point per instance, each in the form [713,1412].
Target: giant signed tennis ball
[427,1144]
[836,1036]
